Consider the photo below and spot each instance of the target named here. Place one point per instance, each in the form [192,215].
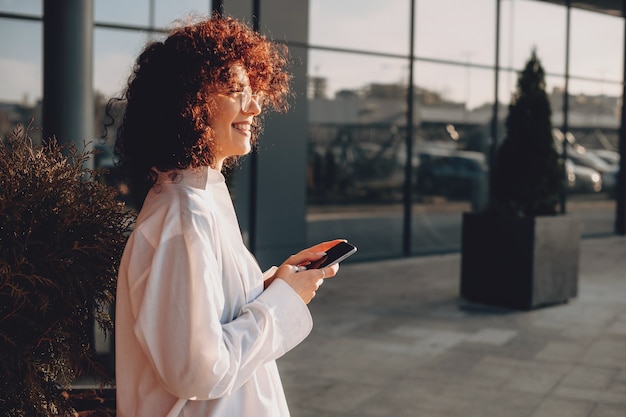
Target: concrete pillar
[68,103]
[276,205]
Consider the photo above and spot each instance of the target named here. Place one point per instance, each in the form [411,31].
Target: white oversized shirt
[196,335]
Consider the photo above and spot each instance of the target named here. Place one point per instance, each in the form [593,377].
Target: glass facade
[359,181]
[399,140]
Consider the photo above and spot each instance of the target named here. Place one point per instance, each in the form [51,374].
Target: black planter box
[519,263]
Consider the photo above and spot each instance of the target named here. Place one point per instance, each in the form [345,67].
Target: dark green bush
[527,174]
[62,234]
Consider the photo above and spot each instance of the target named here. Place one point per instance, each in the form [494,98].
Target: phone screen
[337,253]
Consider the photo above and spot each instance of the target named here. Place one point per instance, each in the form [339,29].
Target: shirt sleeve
[178,309]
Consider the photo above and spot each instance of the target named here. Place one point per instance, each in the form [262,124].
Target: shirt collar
[193,177]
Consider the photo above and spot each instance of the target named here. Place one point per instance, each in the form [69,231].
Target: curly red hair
[167,120]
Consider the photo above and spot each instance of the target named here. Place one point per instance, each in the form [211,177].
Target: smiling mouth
[244,127]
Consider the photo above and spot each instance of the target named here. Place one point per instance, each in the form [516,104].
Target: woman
[198,326]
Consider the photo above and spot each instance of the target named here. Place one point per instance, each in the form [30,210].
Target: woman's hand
[306,281]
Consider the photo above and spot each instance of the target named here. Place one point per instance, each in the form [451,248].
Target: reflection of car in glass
[610,157]
[451,173]
[593,161]
[582,179]
[363,162]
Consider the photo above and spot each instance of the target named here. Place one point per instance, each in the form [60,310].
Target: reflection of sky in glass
[166,11]
[595,87]
[456,30]
[21,62]
[363,25]
[354,71]
[136,12]
[446,29]
[456,83]
[464,32]
[116,52]
[29,7]
[597,46]
[525,25]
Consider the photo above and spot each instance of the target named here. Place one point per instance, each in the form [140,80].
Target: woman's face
[230,123]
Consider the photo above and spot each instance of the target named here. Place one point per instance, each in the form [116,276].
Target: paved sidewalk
[392,339]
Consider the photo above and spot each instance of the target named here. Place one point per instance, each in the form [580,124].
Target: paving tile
[561,352]
[340,398]
[563,408]
[303,412]
[527,344]
[414,350]
[606,352]
[589,378]
[489,336]
[618,328]
[620,377]
[534,383]
[603,410]
[494,409]
[407,397]
[474,400]
[439,342]
[336,325]
[611,397]
[582,334]
[299,390]
[491,371]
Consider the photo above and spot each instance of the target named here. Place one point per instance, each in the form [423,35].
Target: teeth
[242,126]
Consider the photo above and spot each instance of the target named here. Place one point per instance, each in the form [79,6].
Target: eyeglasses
[247,97]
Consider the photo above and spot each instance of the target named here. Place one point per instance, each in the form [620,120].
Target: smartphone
[335,254]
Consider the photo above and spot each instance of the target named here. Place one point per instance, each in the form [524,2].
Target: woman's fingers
[305,282]
[324,246]
[313,253]
[329,271]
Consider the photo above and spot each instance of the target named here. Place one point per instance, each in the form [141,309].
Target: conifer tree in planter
[519,253]
[61,238]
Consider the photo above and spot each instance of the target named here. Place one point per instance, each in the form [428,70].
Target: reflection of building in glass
[358,144]
[12,114]
[316,87]
[387,103]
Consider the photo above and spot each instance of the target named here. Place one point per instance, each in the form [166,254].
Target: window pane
[20,74]
[29,7]
[369,25]
[357,151]
[114,54]
[594,121]
[339,71]
[529,24]
[167,11]
[463,91]
[452,146]
[597,45]
[136,12]
[456,30]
